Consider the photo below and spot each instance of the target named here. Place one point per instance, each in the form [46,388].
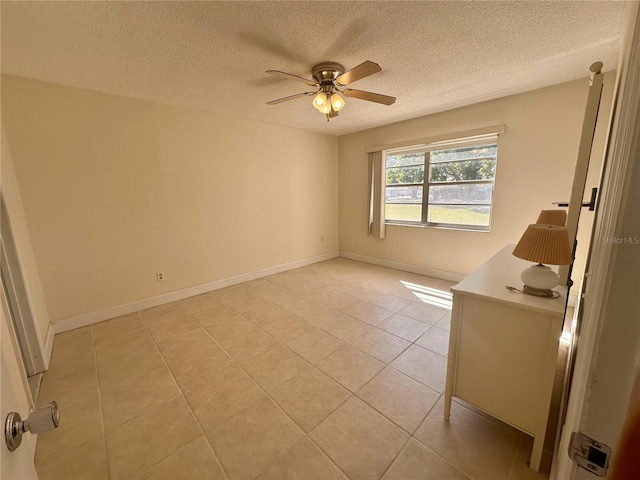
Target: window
[446,185]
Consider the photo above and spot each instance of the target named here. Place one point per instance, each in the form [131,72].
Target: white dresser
[503,347]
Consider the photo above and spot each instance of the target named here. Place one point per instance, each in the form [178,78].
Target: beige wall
[116,189]
[536,159]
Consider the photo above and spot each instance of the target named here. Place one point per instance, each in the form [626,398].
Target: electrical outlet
[160,276]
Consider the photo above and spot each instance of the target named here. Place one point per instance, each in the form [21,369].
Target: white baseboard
[90,318]
[405,267]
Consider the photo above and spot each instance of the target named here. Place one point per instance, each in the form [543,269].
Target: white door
[14,397]
[16,293]
[609,343]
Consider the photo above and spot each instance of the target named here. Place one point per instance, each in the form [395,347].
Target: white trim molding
[48,347]
[405,267]
[90,318]
[477,132]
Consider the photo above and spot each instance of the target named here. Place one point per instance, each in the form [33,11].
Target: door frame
[17,298]
[598,277]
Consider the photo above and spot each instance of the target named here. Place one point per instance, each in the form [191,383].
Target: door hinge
[589,454]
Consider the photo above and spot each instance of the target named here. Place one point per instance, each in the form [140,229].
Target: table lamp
[553,217]
[543,244]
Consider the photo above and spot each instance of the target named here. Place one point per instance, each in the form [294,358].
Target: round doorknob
[39,421]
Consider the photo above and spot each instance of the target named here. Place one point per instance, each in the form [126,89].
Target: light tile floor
[331,371]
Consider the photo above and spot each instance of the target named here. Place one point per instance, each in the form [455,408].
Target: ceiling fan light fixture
[326,108]
[320,100]
[337,102]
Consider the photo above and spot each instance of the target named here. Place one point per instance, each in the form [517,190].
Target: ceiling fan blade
[356,73]
[290,76]
[290,97]
[333,113]
[370,96]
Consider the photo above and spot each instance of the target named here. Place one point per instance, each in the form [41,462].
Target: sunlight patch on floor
[432,296]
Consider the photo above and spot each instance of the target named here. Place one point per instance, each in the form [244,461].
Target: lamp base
[539,292]
[539,277]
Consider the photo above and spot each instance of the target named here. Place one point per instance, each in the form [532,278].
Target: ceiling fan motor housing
[327,72]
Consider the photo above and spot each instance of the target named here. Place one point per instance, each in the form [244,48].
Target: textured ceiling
[212,55]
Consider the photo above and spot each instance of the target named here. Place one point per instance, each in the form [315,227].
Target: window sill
[462,228]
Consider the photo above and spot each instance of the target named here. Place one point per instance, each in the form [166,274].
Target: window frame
[426,184]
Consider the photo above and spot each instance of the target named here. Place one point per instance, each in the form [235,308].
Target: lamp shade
[320,100]
[337,102]
[326,108]
[548,244]
[553,217]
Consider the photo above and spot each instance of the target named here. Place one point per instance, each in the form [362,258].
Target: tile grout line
[146,329]
[385,416]
[395,457]
[368,302]
[411,434]
[394,357]
[328,333]
[204,431]
[322,358]
[352,394]
[431,326]
[276,404]
[284,344]
[268,394]
[392,313]
[363,333]
[102,422]
[494,421]
[441,457]
[194,416]
[136,379]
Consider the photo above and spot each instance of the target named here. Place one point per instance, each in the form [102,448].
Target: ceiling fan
[329,80]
